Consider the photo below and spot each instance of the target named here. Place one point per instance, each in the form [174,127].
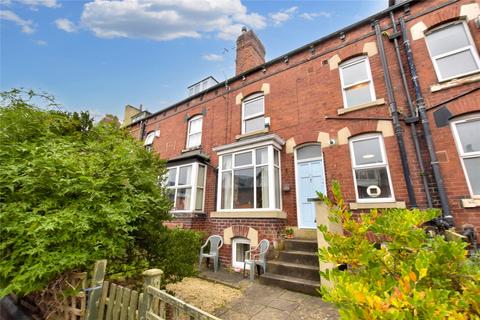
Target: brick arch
[441,17]
[362,127]
[243,231]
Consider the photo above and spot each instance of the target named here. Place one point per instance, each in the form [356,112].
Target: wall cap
[277,214]
[470,203]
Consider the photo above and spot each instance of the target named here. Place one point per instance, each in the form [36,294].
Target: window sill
[275,214]
[455,82]
[192,148]
[470,203]
[378,205]
[251,134]
[187,214]
[377,102]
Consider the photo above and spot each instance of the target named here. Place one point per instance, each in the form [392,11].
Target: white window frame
[148,143]
[470,47]
[189,133]
[251,98]
[382,164]
[193,186]
[235,241]
[369,80]
[271,166]
[465,155]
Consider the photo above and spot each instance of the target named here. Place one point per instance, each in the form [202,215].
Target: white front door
[310,178]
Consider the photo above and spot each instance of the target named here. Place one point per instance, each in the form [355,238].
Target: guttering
[420,101]
[224,84]
[395,116]
[411,108]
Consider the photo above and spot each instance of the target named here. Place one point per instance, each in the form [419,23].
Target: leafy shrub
[394,269]
[72,192]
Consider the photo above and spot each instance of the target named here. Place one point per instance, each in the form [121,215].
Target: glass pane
[172,173]
[201,176]
[262,187]
[196,125]
[252,107]
[373,183]
[355,73]
[149,139]
[171,195]
[457,64]
[242,159]
[226,202]
[469,134]
[277,188]
[194,140]
[367,151]
[199,200]
[227,162]
[472,166]
[308,152]
[240,249]
[184,176]
[183,199]
[255,124]
[358,94]
[262,156]
[243,189]
[447,39]
[276,157]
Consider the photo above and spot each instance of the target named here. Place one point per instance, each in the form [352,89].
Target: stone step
[301,245]
[290,283]
[299,257]
[294,270]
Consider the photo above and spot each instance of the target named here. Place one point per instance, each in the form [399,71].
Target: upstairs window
[186,184]
[253,113]
[370,169]
[149,140]
[452,51]
[194,135]
[356,80]
[467,137]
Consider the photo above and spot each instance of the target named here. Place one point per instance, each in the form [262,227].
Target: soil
[204,294]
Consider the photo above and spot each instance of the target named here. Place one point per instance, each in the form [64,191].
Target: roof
[308,46]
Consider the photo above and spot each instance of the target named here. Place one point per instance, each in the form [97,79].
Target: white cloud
[314,15]
[26,25]
[283,15]
[168,19]
[41,42]
[213,57]
[65,25]
[39,3]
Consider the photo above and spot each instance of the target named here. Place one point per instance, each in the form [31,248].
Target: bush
[403,274]
[72,192]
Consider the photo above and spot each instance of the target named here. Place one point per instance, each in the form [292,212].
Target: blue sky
[101,55]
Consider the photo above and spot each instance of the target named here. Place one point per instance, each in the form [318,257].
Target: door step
[299,257]
[294,270]
[291,283]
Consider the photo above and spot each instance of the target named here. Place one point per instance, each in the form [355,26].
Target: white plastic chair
[216,242]
[257,259]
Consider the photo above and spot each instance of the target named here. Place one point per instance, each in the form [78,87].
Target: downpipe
[412,115]
[395,117]
[446,218]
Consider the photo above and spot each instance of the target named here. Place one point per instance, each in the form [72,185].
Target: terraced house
[388,106]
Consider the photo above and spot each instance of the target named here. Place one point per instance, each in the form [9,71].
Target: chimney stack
[250,51]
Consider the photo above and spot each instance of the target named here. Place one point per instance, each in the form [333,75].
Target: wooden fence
[108,301]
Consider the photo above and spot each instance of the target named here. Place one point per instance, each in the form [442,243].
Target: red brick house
[246,155]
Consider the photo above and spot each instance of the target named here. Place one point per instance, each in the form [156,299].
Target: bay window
[250,179]
[186,185]
[452,50]
[467,137]
[356,80]
[370,169]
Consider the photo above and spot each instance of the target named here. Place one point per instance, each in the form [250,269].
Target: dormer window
[149,140]
[253,113]
[194,134]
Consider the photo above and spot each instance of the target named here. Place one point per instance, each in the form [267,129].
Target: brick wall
[302,96]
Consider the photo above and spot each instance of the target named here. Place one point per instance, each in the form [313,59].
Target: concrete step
[301,245]
[290,283]
[294,270]
[299,257]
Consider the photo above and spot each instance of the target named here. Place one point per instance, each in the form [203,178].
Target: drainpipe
[413,116]
[446,214]
[395,116]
